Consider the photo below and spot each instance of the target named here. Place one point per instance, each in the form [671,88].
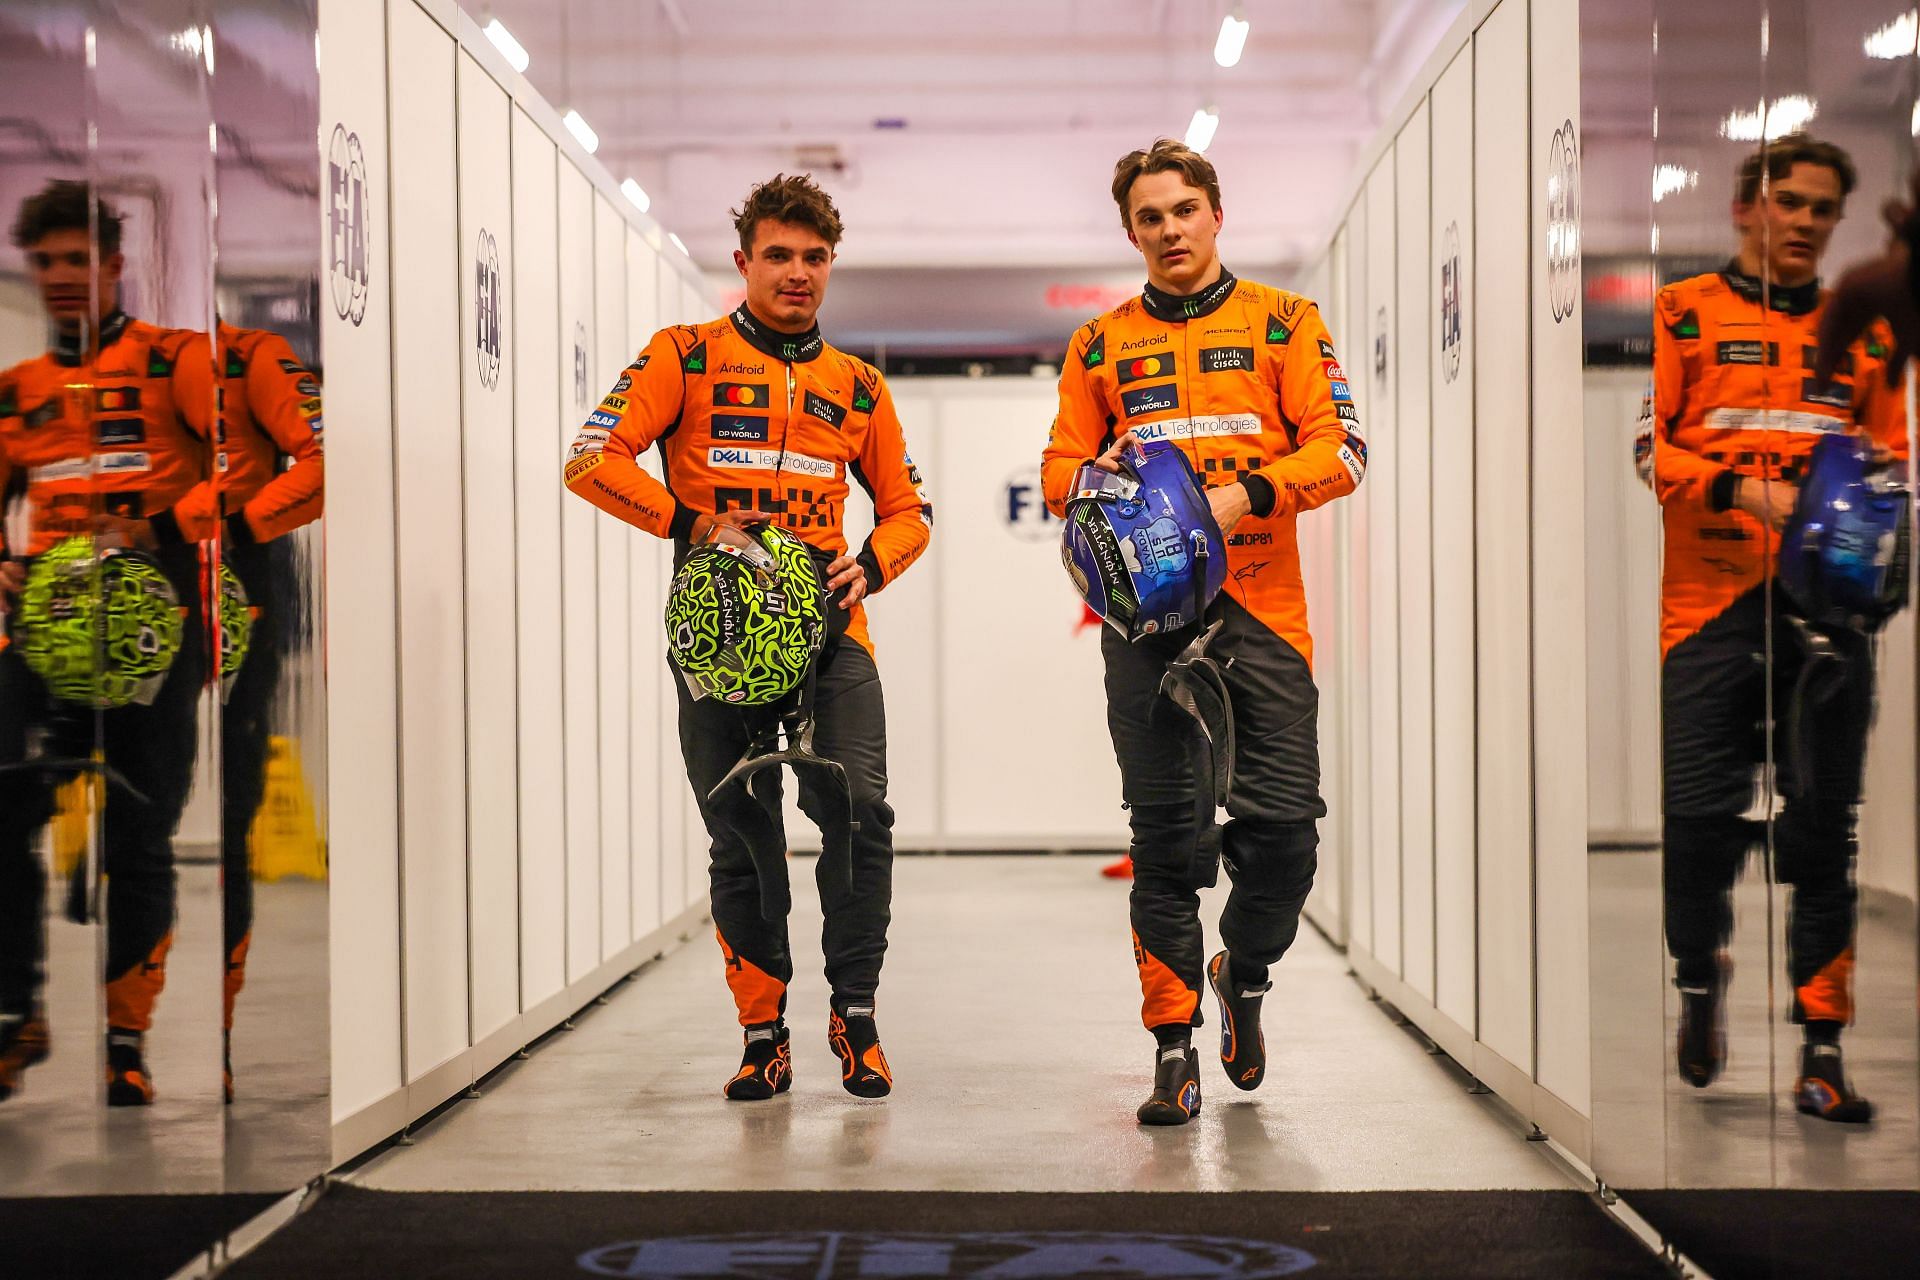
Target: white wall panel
[1354,631]
[1455,313]
[1559,563]
[537,387]
[1329,618]
[616,616]
[1503,544]
[1373,365]
[426,396]
[1411,357]
[1007,726]
[647,557]
[579,578]
[492,666]
[363,820]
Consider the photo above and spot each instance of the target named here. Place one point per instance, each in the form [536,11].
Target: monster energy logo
[788,350]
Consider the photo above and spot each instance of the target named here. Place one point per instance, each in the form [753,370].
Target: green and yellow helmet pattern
[745,623]
[235,635]
[102,634]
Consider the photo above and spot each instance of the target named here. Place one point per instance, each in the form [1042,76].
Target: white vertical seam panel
[615,667]
[646,559]
[1380,425]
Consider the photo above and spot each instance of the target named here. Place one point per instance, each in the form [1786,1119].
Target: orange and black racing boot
[23,1042]
[1176,1086]
[1243,1046]
[766,1065]
[1822,1089]
[128,1084]
[856,1042]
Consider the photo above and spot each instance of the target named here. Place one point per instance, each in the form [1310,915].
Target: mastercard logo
[1145,368]
[742,395]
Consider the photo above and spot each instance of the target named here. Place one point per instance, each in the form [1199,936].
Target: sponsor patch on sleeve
[639,364]
[581,465]
[600,419]
[625,383]
[614,404]
[1326,350]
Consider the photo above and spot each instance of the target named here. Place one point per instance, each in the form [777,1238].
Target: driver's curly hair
[794,198]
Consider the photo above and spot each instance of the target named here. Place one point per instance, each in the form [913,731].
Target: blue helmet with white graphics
[1141,545]
[1844,552]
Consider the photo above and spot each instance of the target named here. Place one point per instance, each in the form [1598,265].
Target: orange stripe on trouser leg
[132,995]
[1164,998]
[757,994]
[1828,997]
[236,975]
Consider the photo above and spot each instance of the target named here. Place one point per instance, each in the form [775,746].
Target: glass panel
[272,721]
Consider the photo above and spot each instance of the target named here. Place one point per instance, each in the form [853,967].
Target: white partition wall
[1455,311]
[1372,365]
[361,635]
[426,393]
[579,579]
[1560,541]
[485,633]
[487,473]
[536,521]
[1410,366]
[1461,575]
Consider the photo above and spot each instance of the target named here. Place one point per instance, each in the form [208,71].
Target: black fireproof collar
[1173,308]
[794,348]
[71,348]
[1795,301]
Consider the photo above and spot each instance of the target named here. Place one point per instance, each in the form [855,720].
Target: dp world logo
[581,390]
[1023,508]
[348,207]
[1042,1255]
[1563,222]
[486,308]
[1452,302]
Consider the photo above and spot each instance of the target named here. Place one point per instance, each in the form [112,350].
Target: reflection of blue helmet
[1142,545]
[1843,555]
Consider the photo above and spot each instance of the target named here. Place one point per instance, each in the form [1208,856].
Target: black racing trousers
[151,749]
[851,728]
[1714,688]
[246,722]
[1270,843]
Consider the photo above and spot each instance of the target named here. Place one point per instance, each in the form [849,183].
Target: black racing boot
[1700,1046]
[128,1082]
[1176,1087]
[23,1042]
[766,1064]
[1822,1089]
[1243,1046]
[855,1040]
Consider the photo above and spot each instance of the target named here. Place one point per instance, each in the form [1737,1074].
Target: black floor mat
[934,1236]
[126,1237]
[1739,1235]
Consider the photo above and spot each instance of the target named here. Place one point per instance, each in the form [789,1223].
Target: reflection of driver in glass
[1737,409]
[104,434]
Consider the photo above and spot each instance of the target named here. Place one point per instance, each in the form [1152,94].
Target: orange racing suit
[1243,378]
[746,418]
[1735,400]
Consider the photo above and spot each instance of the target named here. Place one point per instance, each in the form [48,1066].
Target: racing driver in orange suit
[757,419]
[1243,379]
[1737,408]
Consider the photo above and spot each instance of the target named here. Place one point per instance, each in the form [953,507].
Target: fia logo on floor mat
[1038,1255]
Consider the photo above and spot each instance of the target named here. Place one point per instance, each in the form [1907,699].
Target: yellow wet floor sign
[285,839]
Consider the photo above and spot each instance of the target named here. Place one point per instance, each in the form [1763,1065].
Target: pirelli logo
[1159,364]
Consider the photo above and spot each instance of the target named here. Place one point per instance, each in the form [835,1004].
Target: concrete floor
[1010,1015]
[57,1136]
[1654,1130]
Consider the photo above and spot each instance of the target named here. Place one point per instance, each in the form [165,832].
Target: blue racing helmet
[1141,545]
[1844,552]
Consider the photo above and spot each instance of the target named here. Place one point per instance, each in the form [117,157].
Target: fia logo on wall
[1380,347]
[1451,303]
[348,209]
[1563,222]
[581,390]
[486,308]
[1023,508]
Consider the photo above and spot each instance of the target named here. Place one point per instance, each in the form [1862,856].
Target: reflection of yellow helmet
[103,633]
[235,634]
